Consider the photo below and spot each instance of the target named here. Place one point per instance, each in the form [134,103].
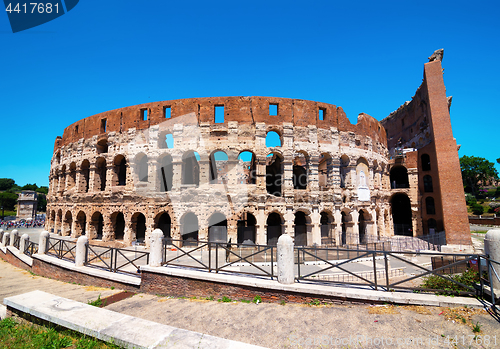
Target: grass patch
[23,336]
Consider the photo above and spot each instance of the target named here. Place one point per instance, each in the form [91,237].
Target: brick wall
[14,260]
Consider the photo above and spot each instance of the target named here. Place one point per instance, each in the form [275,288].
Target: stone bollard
[43,242]
[81,251]
[25,239]
[285,260]
[13,237]
[5,239]
[1,236]
[155,249]
[492,248]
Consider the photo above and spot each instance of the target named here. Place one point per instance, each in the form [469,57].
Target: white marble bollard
[13,237]
[1,236]
[5,239]
[155,248]
[81,251]
[285,260]
[492,248]
[43,242]
[25,239]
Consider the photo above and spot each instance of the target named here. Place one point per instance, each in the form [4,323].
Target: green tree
[476,170]
[8,201]
[43,189]
[41,202]
[28,186]
[498,160]
[6,183]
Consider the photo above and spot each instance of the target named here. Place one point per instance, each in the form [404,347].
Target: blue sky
[365,56]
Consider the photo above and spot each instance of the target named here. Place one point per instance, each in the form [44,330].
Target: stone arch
[218,167]
[53,222]
[81,223]
[326,221]
[273,139]
[166,140]
[100,171]
[165,172]
[96,225]
[346,227]
[190,168]
[67,223]
[399,177]
[325,167]
[401,214]
[247,173]
[301,222]
[274,174]
[59,223]
[217,228]
[274,228]
[58,157]
[62,184]
[363,219]
[164,223]
[142,167]
[138,225]
[189,228]
[120,170]
[344,170]
[300,171]
[247,229]
[72,176]
[85,176]
[118,225]
[102,146]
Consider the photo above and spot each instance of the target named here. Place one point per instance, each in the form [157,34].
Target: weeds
[257,299]
[98,302]
[469,278]
[476,328]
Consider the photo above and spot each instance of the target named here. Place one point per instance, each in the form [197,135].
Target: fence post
[25,239]
[81,251]
[5,237]
[285,259]
[1,237]
[492,249]
[13,237]
[43,242]
[156,246]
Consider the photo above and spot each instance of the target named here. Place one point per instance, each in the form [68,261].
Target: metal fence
[116,260]
[61,248]
[226,257]
[30,248]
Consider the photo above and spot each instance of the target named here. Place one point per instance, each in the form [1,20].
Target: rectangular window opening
[103,125]
[273,109]
[219,114]
[321,114]
[167,112]
[76,129]
[144,114]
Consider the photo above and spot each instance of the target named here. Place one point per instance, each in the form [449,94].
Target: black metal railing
[30,248]
[116,260]
[17,241]
[61,248]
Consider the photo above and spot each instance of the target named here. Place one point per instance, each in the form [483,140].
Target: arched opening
[166,141]
[100,178]
[428,188]
[431,225]
[166,173]
[97,224]
[326,221]
[120,171]
[247,229]
[399,177]
[189,229]
[68,221]
[58,157]
[300,228]
[62,180]
[59,227]
[325,171]
[274,228]
[102,146]
[273,139]
[247,163]
[426,162]
[344,170]
[274,174]
[139,227]
[72,176]
[85,175]
[190,168]
[401,215]
[81,222]
[430,207]
[164,223]
[142,169]
[343,237]
[363,177]
[362,218]
[299,176]
[218,167]
[118,222]
[217,228]
[53,221]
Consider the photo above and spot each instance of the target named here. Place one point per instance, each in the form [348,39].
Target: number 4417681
[33,7]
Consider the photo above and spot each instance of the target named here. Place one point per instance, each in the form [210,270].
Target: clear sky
[365,56]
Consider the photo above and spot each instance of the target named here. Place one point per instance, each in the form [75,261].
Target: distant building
[27,204]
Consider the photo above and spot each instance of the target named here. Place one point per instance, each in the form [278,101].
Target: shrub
[470,199]
[469,278]
[477,209]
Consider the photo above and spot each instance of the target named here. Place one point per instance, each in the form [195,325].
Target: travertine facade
[181,167]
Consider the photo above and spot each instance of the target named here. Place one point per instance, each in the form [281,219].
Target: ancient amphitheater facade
[245,169]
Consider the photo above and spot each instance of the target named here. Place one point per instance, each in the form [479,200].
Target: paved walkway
[282,326]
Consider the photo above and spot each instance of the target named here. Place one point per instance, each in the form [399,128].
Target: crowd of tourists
[37,223]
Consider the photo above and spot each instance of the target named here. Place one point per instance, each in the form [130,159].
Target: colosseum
[248,169]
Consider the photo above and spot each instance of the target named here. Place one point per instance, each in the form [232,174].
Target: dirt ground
[289,325]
